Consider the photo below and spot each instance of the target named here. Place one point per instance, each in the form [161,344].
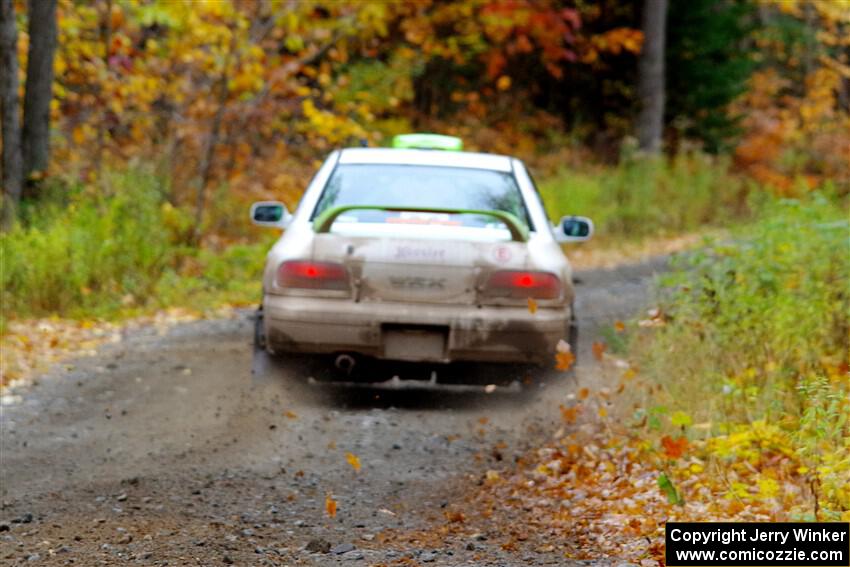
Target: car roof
[442,158]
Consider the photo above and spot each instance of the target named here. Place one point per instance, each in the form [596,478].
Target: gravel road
[163,450]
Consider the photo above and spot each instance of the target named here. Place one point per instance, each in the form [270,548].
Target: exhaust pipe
[345,362]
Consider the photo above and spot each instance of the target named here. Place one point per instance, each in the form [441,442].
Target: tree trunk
[650,124]
[39,86]
[205,168]
[106,37]
[207,160]
[9,113]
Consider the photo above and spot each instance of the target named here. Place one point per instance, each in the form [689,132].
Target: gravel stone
[341,548]
[318,545]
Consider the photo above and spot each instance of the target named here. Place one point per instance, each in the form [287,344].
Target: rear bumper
[487,334]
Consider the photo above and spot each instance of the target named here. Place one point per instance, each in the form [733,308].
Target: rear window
[421,186]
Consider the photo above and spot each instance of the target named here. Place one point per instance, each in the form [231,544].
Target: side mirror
[270,213]
[574,229]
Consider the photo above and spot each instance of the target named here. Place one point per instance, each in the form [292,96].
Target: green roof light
[427,142]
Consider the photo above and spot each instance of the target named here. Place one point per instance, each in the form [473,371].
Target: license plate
[415,344]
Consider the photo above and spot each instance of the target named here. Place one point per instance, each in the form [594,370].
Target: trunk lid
[416,266]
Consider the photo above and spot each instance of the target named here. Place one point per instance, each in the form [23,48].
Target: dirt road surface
[163,450]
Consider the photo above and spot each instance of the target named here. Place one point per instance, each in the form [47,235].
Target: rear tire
[268,367]
[259,332]
[572,339]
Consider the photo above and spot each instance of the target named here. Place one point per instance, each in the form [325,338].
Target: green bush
[756,330]
[101,256]
[649,196]
[210,278]
[750,314]
[88,256]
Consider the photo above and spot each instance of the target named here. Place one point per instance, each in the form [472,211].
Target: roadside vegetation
[727,401]
[751,341]
[125,254]
[640,197]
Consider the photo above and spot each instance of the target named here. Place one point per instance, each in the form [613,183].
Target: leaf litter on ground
[32,346]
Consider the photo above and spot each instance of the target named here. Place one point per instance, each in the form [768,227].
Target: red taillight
[304,274]
[522,285]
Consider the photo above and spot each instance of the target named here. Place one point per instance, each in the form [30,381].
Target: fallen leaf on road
[564,360]
[353,460]
[598,350]
[569,414]
[455,516]
[330,506]
[290,414]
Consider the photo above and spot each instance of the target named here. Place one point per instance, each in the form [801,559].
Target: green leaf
[681,419]
[654,422]
[669,489]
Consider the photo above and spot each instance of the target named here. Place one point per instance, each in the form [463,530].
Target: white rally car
[418,253]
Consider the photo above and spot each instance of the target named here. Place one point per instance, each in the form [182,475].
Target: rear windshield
[421,186]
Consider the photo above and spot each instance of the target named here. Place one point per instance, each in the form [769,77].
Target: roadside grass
[750,341]
[88,256]
[642,197]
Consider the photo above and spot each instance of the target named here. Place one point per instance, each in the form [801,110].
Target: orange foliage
[674,448]
[261,92]
[798,135]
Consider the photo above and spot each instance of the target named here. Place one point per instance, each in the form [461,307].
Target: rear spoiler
[519,232]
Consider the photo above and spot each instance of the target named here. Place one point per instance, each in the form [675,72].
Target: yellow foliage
[812,126]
